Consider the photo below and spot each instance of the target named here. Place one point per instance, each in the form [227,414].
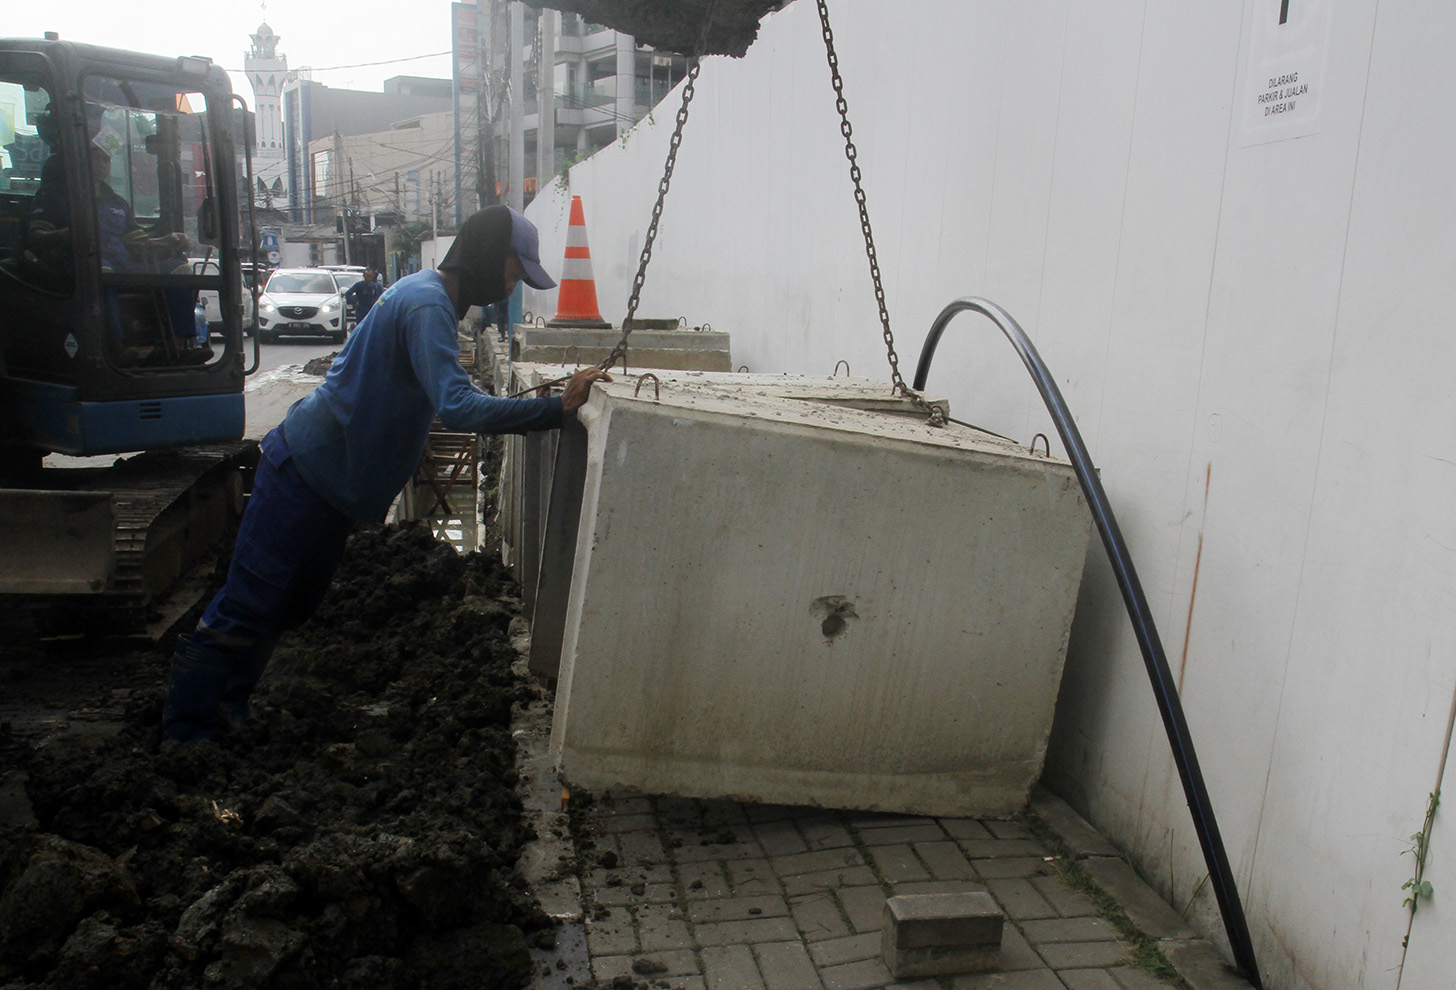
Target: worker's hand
[579,388]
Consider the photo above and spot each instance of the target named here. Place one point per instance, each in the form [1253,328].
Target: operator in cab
[343,453]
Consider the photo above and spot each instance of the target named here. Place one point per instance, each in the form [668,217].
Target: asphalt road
[280,380]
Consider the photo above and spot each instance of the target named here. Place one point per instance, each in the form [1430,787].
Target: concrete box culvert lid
[693,659]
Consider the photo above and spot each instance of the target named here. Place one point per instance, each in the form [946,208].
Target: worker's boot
[241,680]
[195,689]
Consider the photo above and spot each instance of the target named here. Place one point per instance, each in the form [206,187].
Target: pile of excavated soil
[362,832]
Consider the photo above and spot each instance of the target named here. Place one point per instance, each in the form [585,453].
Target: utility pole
[348,216]
[517,168]
[484,128]
[546,101]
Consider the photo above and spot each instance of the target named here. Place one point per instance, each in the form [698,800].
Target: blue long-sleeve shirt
[357,437]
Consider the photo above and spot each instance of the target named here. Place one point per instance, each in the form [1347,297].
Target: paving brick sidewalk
[683,893]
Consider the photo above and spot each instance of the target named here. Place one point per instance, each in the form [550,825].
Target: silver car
[302,302]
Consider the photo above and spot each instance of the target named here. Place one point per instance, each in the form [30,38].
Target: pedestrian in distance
[363,294]
[343,453]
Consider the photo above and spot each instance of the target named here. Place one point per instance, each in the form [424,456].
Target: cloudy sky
[336,40]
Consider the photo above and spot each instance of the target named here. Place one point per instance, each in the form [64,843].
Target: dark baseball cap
[526,242]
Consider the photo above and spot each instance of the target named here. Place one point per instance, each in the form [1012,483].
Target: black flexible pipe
[1156,661]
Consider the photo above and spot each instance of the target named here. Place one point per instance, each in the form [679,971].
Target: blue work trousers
[289,543]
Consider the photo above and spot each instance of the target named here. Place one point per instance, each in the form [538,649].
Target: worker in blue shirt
[363,294]
[343,453]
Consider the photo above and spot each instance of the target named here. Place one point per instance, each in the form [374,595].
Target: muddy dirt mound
[320,365]
[361,832]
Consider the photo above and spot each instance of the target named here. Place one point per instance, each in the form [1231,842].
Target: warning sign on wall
[1284,84]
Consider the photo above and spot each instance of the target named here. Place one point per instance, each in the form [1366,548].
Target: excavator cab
[119,194]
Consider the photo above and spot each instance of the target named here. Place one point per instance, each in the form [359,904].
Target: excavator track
[85,549]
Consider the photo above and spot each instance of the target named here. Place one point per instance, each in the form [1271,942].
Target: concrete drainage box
[788,600]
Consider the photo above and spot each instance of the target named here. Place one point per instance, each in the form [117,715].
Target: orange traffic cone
[576,302]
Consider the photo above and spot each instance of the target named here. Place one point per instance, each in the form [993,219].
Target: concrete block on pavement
[942,934]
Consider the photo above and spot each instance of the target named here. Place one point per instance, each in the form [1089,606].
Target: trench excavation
[362,832]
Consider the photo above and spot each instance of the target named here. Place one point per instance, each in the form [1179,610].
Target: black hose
[1156,661]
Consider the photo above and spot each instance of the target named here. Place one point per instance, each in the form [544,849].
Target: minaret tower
[267,70]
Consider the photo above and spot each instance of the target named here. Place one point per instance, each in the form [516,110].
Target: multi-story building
[318,174]
[593,83]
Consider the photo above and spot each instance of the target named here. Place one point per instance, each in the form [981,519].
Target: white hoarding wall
[1230,230]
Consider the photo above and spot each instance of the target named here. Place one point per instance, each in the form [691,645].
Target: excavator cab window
[152,193]
[32,182]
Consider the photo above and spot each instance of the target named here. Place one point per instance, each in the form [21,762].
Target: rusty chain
[934,414]
[619,352]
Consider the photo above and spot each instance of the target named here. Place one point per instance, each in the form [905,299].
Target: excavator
[120,191]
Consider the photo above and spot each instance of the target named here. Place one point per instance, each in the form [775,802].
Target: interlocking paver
[731,967]
[612,933]
[702,881]
[744,897]
[1038,979]
[1016,866]
[719,812]
[640,847]
[780,838]
[1088,979]
[938,887]
[1135,979]
[691,853]
[636,893]
[965,828]
[816,862]
[661,927]
[608,968]
[865,907]
[979,849]
[1067,902]
[834,951]
[1082,955]
[786,966]
[751,877]
[1006,830]
[818,917]
[680,962]
[1067,930]
[898,864]
[825,833]
[737,909]
[867,974]
[1016,951]
[627,823]
[1020,898]
[945,860]
[746,932]
[929,832]
[805,883]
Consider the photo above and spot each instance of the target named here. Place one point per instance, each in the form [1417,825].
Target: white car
[210,302]
[302,302]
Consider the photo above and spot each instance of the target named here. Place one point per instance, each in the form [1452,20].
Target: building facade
[590,82]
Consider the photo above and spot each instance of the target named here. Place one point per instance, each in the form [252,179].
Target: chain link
[619,352]
[935,414]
